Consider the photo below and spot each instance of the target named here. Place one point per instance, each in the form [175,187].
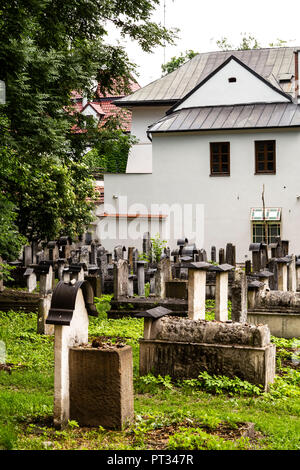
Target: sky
[202,23]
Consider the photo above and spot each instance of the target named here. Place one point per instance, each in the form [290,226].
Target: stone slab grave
[182,348]
[86,379]
[280,310]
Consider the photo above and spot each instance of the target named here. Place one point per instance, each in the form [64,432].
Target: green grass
[190,413]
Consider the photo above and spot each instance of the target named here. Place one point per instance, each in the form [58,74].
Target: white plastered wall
[140,156]
[181,169]
[218,91]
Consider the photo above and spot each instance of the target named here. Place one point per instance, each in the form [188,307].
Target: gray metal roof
[277,65]
[250,116]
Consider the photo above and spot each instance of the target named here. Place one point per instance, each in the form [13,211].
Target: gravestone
[147,246]
[69,311]
[213,254]
[141,278]
[239,297]
[120,273]
[221,256]
[197,290]
[162,275]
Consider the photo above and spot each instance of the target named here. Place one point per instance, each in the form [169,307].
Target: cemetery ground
[206,413]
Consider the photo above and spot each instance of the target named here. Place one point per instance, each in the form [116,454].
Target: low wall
[183,348]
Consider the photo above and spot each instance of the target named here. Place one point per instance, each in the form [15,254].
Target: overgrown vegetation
[209,412]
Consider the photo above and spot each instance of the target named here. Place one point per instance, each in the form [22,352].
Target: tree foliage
[175,62]
[247,42]
[49,48]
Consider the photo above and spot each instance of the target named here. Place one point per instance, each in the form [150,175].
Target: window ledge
[218,176]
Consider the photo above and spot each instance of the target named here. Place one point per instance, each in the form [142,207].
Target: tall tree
[47,49]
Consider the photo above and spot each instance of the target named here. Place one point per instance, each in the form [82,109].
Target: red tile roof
[105,106]
[97,107]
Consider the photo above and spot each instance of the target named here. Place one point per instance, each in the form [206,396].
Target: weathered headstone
[141,277]
[248,267]
[239,297]
[162,275]
[27,255]
[221,256]
[197,290]
[120,278]
[213,254]
[282,274]
[31,279]
[71,329]
[221,292]
[147,246]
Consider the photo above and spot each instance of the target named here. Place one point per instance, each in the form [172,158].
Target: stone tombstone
[64,247]
[120,273]
[60,268]
[202,255]
[213,254]
[272,267]
[84,255]
[66,277]
[30,279]
[239,297]
[76,272]
[101,386]
[292,277]
[130,257]
[118,252]
[131,279]
[221,256]
[282,274]
[93,253]
[46,281]
[221,291]
[35,250]
[230,256]
[255,249]
[70,330]
[53,251]
[197,290]
[43,310]
[162,275]
[147,246]
[248,267]
[264,255]
[135,257]
[27,255]
[40,256]
[285,247]
[141,278]
[102,264]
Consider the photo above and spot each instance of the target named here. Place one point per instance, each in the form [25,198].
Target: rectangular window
[265,156]
[258,232]
[219,158]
